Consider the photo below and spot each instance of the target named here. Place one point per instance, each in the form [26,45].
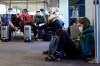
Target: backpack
[53,48]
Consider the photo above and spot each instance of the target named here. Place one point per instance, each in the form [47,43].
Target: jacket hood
[88,30]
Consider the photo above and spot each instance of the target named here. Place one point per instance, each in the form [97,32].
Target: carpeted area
[19,53]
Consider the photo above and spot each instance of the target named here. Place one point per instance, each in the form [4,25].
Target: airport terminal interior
[49,33]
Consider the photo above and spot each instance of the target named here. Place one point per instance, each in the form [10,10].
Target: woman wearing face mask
[86,37]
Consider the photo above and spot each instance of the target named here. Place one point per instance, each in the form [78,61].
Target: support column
[97,31]
[93,13]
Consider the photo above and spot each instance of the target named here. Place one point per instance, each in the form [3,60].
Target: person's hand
[24,21]
[21,18]
[15,29]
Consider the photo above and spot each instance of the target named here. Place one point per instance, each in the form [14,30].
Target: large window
[76,10]
[5,7]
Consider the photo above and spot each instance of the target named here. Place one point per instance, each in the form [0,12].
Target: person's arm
[51,19]
[10,24]
[10,21]
[21,18]
[28,19]
[84,36]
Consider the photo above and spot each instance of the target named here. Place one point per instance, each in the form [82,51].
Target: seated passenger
[86,37]
[16,19]
[72,49]
[44,15]
[54,22]
[39,19]
[59,15]
[8,22]
[25,19]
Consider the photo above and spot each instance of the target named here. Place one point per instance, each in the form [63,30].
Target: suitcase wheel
[4,40]
[27,40]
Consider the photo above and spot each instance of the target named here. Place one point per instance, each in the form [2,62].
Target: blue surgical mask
[9,12]
[41,13]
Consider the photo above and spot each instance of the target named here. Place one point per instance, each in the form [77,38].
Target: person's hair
[17,14]
[25,10]
[42,10]
[37,11]
[9,8]
[85,21]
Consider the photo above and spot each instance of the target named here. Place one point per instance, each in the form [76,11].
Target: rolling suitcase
[4,33]
[27,33]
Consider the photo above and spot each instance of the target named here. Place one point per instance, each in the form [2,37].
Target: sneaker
[45,52]
[52,58]
[58,59]
[49,58]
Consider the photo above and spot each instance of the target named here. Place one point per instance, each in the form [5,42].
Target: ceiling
[20,1]
[31,5]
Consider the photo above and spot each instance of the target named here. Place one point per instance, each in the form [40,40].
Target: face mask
[41,13]
[57,13]
[9,12]
[25,13]
[80,29]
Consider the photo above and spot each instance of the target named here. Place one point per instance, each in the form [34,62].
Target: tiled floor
[19,53]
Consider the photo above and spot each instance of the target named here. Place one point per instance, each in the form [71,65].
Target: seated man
[8,22]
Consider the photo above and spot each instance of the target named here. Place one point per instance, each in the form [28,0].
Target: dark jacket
[87,41]
[7,19]
[66,45]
